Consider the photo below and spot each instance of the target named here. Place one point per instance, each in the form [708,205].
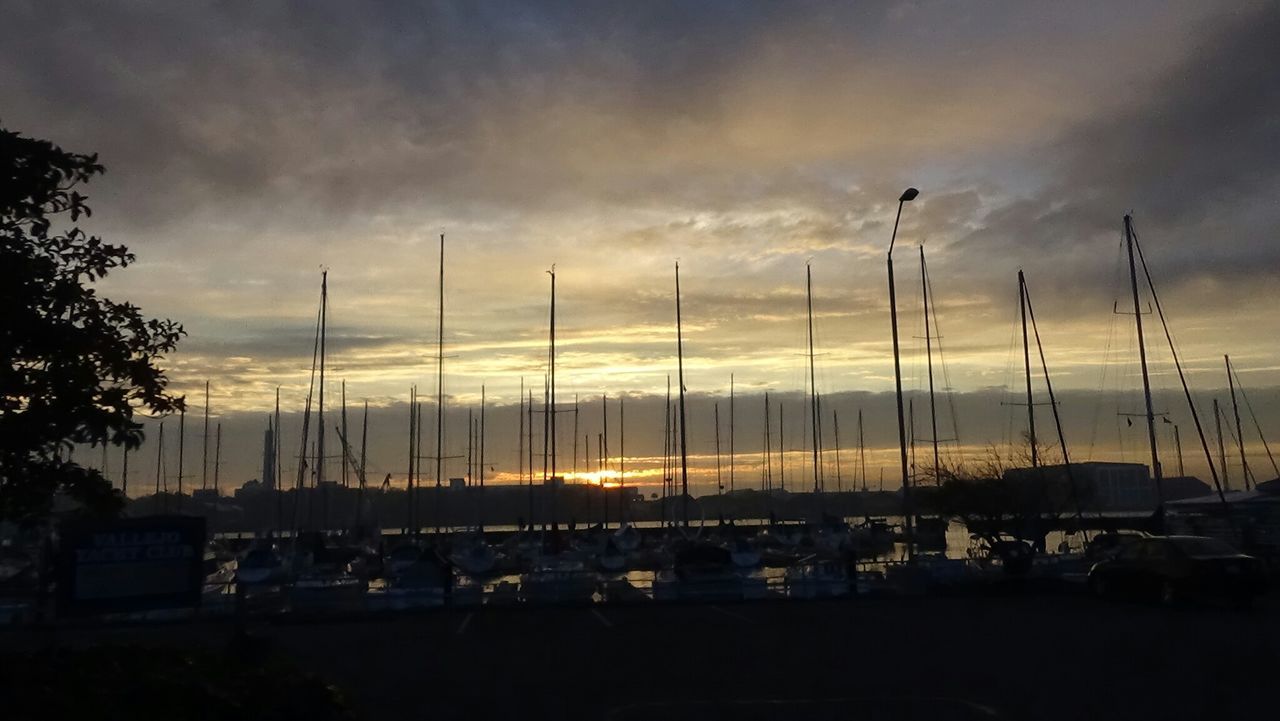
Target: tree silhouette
[77,366]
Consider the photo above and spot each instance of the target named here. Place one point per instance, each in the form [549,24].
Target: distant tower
[269,457]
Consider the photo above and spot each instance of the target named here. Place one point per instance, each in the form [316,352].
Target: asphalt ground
[1006,656]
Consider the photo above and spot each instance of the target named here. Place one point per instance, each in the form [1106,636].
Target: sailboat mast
[324,320]
[160,463]
[622,461]
[1026,362]
[911,422]
[813,386]
[604,455]
[731,448]
[418,425]
[413,454]
[551,366]
[217,456]
[928,349]
[529,449]
[204,452]
[1177,444]
[782,452]
[346,482]
[1222,448]
[551,405]
[1235,409]
[1053,399]
[1142,356]
[439,392]
[182,439]
[684,439]
[766,478]
[835,422]
[364,457]
[275,481]
[719,481]
[862,454]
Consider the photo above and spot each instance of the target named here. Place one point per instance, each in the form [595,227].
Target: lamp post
[907,195]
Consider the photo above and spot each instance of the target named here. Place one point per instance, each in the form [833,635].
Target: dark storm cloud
[247,144]
[1195,153]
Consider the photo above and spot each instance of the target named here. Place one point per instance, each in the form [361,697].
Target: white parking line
[462,627]
[601,618]
[731,614]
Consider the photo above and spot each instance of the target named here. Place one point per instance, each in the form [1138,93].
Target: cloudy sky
[249,145]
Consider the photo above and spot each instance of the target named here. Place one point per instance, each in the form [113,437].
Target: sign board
[130,564]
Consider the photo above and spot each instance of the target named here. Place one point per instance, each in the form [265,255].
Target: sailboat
[557,575]
[930,531]
[417,574]
[469,551]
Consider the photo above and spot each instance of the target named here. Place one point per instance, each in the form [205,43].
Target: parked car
[1105,546]
[1170,568]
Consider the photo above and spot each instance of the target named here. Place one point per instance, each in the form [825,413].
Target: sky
[250,146]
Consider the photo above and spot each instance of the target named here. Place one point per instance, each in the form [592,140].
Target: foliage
[1001,495]
[78,365]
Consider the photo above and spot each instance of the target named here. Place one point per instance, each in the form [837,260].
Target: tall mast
[275,480]
[1142,356]
[731,449]
[439,391]
[911,422]
[600,461]
[604,455]
[418,425]
[551,369]
[928,349]
[1053,400]
[766,478]
[1177,444]
[217,456]
[813,386]
[471,442]
[684,450]
[719,482]
[364,457]
[324,321]
[622,461]
[182,439]
[575,439]
[345,434]
[1026,361]
[1222,448]
[1235,408]
[410,506]
[160,464]
[529,449]
[204,453]
[666,451]
[782,452]
[520,448]
[835,422]
[482,405]
[546,438]
[862,454]
[1182,378]
[551,396]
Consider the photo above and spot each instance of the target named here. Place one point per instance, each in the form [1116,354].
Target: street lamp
[907,195]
